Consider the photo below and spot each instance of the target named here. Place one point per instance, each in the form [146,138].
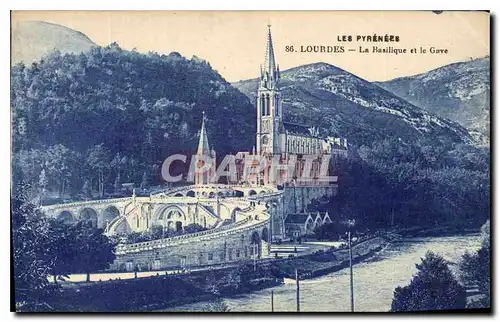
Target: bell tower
[269,109]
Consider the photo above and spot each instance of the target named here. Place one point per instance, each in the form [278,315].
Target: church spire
[203,147]
[269,62]
[269,71]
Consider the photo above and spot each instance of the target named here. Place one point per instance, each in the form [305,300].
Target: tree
[475,268]
[485,234]
[117,184]
[87,190]
[157,232]
[144,182]
[60,163]
[95,250]
[61,249]
[30,236]
[43,181]
[218,305]
[98,160]
[432,288]
[193,228]
[330,231]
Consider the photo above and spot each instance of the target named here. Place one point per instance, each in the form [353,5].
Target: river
[374,280]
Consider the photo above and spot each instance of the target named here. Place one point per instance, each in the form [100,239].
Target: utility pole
[298,289]
[294,196]
[350,224]
[272,301]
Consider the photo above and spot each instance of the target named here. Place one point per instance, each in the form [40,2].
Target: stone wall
[229,248]
[296,200]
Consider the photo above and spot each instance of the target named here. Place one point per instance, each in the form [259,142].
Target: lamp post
[297,293]
[350,224]
[272,301]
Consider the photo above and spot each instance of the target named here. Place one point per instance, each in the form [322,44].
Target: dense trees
[432,288]
[94,114]
[330,231]
[43,247]
[435,288]
[110,113]
[475,269]
[159,232]
[30,236]
[392,183]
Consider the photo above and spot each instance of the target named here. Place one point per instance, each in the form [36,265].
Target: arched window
[268,105]
[262,105]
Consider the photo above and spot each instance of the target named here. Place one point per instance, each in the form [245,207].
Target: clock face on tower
[265,140]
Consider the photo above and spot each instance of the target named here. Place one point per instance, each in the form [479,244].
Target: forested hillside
[407,166]
[89,122]
[109,111]
[390,183]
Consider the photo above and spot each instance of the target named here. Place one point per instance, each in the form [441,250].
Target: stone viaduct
[238,221]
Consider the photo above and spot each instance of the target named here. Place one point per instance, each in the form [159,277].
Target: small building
[301,224]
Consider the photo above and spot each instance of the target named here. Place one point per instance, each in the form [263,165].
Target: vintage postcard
[259,161]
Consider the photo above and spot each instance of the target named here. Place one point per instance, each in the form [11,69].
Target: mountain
[141,108]
[459,92]
[348,106]
[31,40]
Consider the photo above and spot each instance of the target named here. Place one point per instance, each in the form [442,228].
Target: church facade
[286,141]
[299,151]
[277,139]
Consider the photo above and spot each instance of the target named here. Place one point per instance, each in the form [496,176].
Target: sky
[234,41]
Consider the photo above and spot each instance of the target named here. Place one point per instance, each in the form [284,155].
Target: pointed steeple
[269,72]
[269,62]
[203,147]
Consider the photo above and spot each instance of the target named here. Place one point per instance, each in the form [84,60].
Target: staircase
[118,220]
[210,211]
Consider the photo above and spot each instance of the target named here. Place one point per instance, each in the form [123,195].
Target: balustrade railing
[212,232]
[84,203]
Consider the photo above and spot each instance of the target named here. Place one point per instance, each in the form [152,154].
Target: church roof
[297,218]
[203,147]
[297,128]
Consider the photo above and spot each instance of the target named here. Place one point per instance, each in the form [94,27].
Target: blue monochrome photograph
[250,161]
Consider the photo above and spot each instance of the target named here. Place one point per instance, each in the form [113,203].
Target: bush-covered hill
[97,119]
[348,106]
[459,92]
[407,166]
[140,107]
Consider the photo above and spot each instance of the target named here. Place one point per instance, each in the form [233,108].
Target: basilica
[277,139]
[240,219]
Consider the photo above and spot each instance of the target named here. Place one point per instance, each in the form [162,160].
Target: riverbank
[325,262]
[375,279]
[159,291]
[309,266]
[165,292]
